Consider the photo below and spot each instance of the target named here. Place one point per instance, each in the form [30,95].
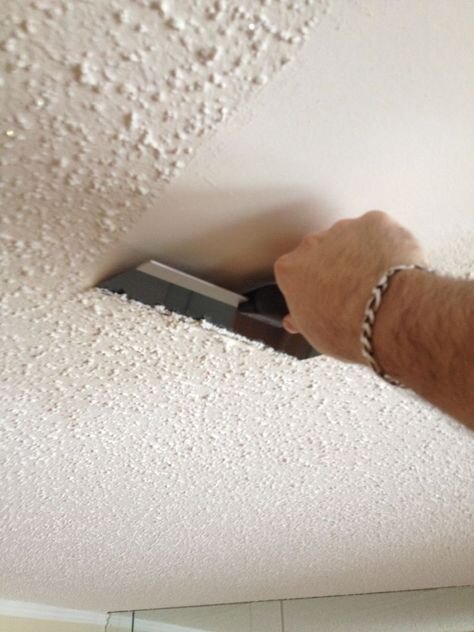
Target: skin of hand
[423,335]
[327,280]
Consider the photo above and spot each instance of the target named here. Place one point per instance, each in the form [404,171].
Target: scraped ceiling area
[150,461]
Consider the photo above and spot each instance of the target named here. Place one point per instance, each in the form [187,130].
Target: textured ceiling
[147,461]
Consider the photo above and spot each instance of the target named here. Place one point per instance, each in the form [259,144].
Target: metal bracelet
[369,319]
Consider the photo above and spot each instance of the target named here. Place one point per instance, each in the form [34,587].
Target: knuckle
[379,216]
[310,239]
[280,265]
[341,223]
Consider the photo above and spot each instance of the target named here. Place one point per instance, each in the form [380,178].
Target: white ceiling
[147,461]
[375,112]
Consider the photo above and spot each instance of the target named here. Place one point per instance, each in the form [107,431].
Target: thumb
[289,325]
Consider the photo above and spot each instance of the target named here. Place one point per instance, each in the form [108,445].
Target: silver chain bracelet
[369,319]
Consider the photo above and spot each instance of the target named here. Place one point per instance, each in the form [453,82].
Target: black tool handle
[266,303]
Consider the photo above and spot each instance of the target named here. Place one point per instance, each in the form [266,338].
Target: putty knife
[256,314]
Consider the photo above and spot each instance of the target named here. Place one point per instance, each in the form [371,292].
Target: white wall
[442,610]
[21,616]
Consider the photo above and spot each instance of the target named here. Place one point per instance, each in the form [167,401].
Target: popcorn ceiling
[146,460]
[108,101]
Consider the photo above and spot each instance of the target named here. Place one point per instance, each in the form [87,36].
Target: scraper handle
[266,303]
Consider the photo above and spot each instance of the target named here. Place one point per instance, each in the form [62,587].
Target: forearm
[424,337]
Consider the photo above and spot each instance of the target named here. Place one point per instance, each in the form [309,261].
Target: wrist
[392,322]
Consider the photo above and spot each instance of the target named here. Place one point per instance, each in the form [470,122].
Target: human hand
[327,280]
